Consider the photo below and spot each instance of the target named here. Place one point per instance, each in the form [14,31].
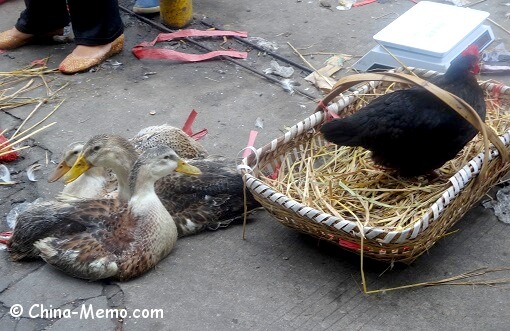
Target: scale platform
[429,36]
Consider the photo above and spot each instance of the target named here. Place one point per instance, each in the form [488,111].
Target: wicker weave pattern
[466,188]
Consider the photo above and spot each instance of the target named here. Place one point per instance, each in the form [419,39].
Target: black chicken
[412,131]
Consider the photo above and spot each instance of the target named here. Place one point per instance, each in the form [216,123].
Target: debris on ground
[111,63]
[31,172]
[263,43]
[5,175]
[344,4]
[259,123]
[496,60]
[459,3]
[501,205]
[322,78]
[66,37]
[277,69]
[497,54]
[288,85]
[325,4]
[17,84]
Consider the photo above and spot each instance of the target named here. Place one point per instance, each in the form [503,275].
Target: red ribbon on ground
[187,127]
[141,52]
[11,155]
[251,142]
[362,3]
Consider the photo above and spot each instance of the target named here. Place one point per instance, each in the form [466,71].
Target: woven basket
[465,189]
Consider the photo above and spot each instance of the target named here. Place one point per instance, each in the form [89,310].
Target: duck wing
[97,252]
[57,219]
[214,198]
[81,256]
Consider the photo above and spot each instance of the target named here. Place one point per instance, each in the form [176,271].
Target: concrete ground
[276,279]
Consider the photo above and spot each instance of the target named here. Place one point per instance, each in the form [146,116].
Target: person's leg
[98,31]
[95,22]
[42,17]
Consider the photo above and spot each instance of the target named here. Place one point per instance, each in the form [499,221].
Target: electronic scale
[428,36]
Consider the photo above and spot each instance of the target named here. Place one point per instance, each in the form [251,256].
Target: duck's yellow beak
[61,170]
[187,169]
[79,167]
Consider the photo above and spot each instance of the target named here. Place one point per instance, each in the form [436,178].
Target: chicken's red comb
[471,50]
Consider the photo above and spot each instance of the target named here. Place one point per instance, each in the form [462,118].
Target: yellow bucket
[176,13]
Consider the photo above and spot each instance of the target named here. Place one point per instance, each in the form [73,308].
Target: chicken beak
[79,167]
[61,170]
[187,169]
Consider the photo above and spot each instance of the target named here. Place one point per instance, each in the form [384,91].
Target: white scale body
[428,36]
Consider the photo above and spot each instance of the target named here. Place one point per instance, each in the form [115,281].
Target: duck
[171,136]
[105,238]
[99,182]
[209,201]
[95,183]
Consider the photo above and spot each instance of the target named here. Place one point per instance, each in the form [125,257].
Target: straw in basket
[408,234]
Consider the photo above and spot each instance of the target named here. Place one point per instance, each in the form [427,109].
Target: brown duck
[105,238]
[211,200]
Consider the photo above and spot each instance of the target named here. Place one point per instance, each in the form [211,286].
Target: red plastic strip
[251,142]
[349,244]
[322,105]
[362,3]
[39,62]
[200,134]
[275,173]
[192,33]
[329,114]
[496,90]
[189,122]
[166,54]
[7,157]
[332,114]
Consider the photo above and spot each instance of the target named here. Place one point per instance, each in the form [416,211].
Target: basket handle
[456,103]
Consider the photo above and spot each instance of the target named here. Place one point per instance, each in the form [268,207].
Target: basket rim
[458,181]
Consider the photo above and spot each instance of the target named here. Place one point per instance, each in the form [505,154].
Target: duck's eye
[167,157]
[75,152]
[96,148]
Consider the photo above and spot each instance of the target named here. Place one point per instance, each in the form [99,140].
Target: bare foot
[13,38]
[85,57]
[18,34]
[82,51]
